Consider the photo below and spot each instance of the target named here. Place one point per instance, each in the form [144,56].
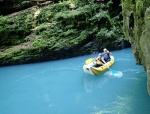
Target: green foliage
[63,27]
[15,28]
[25,3]
[102,19]
[139,7]
[60,7]
[40,42]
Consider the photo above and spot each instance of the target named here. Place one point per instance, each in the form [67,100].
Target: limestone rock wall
[136,25]
[58,31]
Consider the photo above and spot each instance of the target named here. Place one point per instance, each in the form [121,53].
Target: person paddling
[106,55]
[99,61]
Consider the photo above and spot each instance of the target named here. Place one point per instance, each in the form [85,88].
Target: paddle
[89,61]
[113,71]
[96,61]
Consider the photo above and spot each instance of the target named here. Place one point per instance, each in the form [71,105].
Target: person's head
[104,50]
[99,55]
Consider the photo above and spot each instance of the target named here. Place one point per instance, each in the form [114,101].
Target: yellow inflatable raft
[88,67]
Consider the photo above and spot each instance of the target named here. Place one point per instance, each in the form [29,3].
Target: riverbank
[59,31]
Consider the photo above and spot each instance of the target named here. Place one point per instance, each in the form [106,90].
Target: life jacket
[98,62]
[106,56]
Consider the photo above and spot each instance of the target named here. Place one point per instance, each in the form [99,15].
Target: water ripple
[117,74]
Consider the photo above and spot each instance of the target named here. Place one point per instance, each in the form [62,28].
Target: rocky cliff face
[58,31]
[136,24]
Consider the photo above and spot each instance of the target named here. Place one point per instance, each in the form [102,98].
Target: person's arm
[105,63]
[103,60]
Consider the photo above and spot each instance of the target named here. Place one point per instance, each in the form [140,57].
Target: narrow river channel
[61,87]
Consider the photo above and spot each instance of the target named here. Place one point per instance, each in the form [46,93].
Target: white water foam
[117,74]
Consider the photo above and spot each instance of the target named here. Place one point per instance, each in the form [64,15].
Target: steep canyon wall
[136,25]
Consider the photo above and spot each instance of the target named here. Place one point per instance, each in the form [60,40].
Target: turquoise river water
[61,87]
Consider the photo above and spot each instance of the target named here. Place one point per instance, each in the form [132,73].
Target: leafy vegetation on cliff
[66,29]
[136,26]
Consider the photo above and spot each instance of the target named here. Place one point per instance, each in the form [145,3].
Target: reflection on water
[93,82]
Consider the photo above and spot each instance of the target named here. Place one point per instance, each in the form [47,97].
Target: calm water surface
[61,87]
